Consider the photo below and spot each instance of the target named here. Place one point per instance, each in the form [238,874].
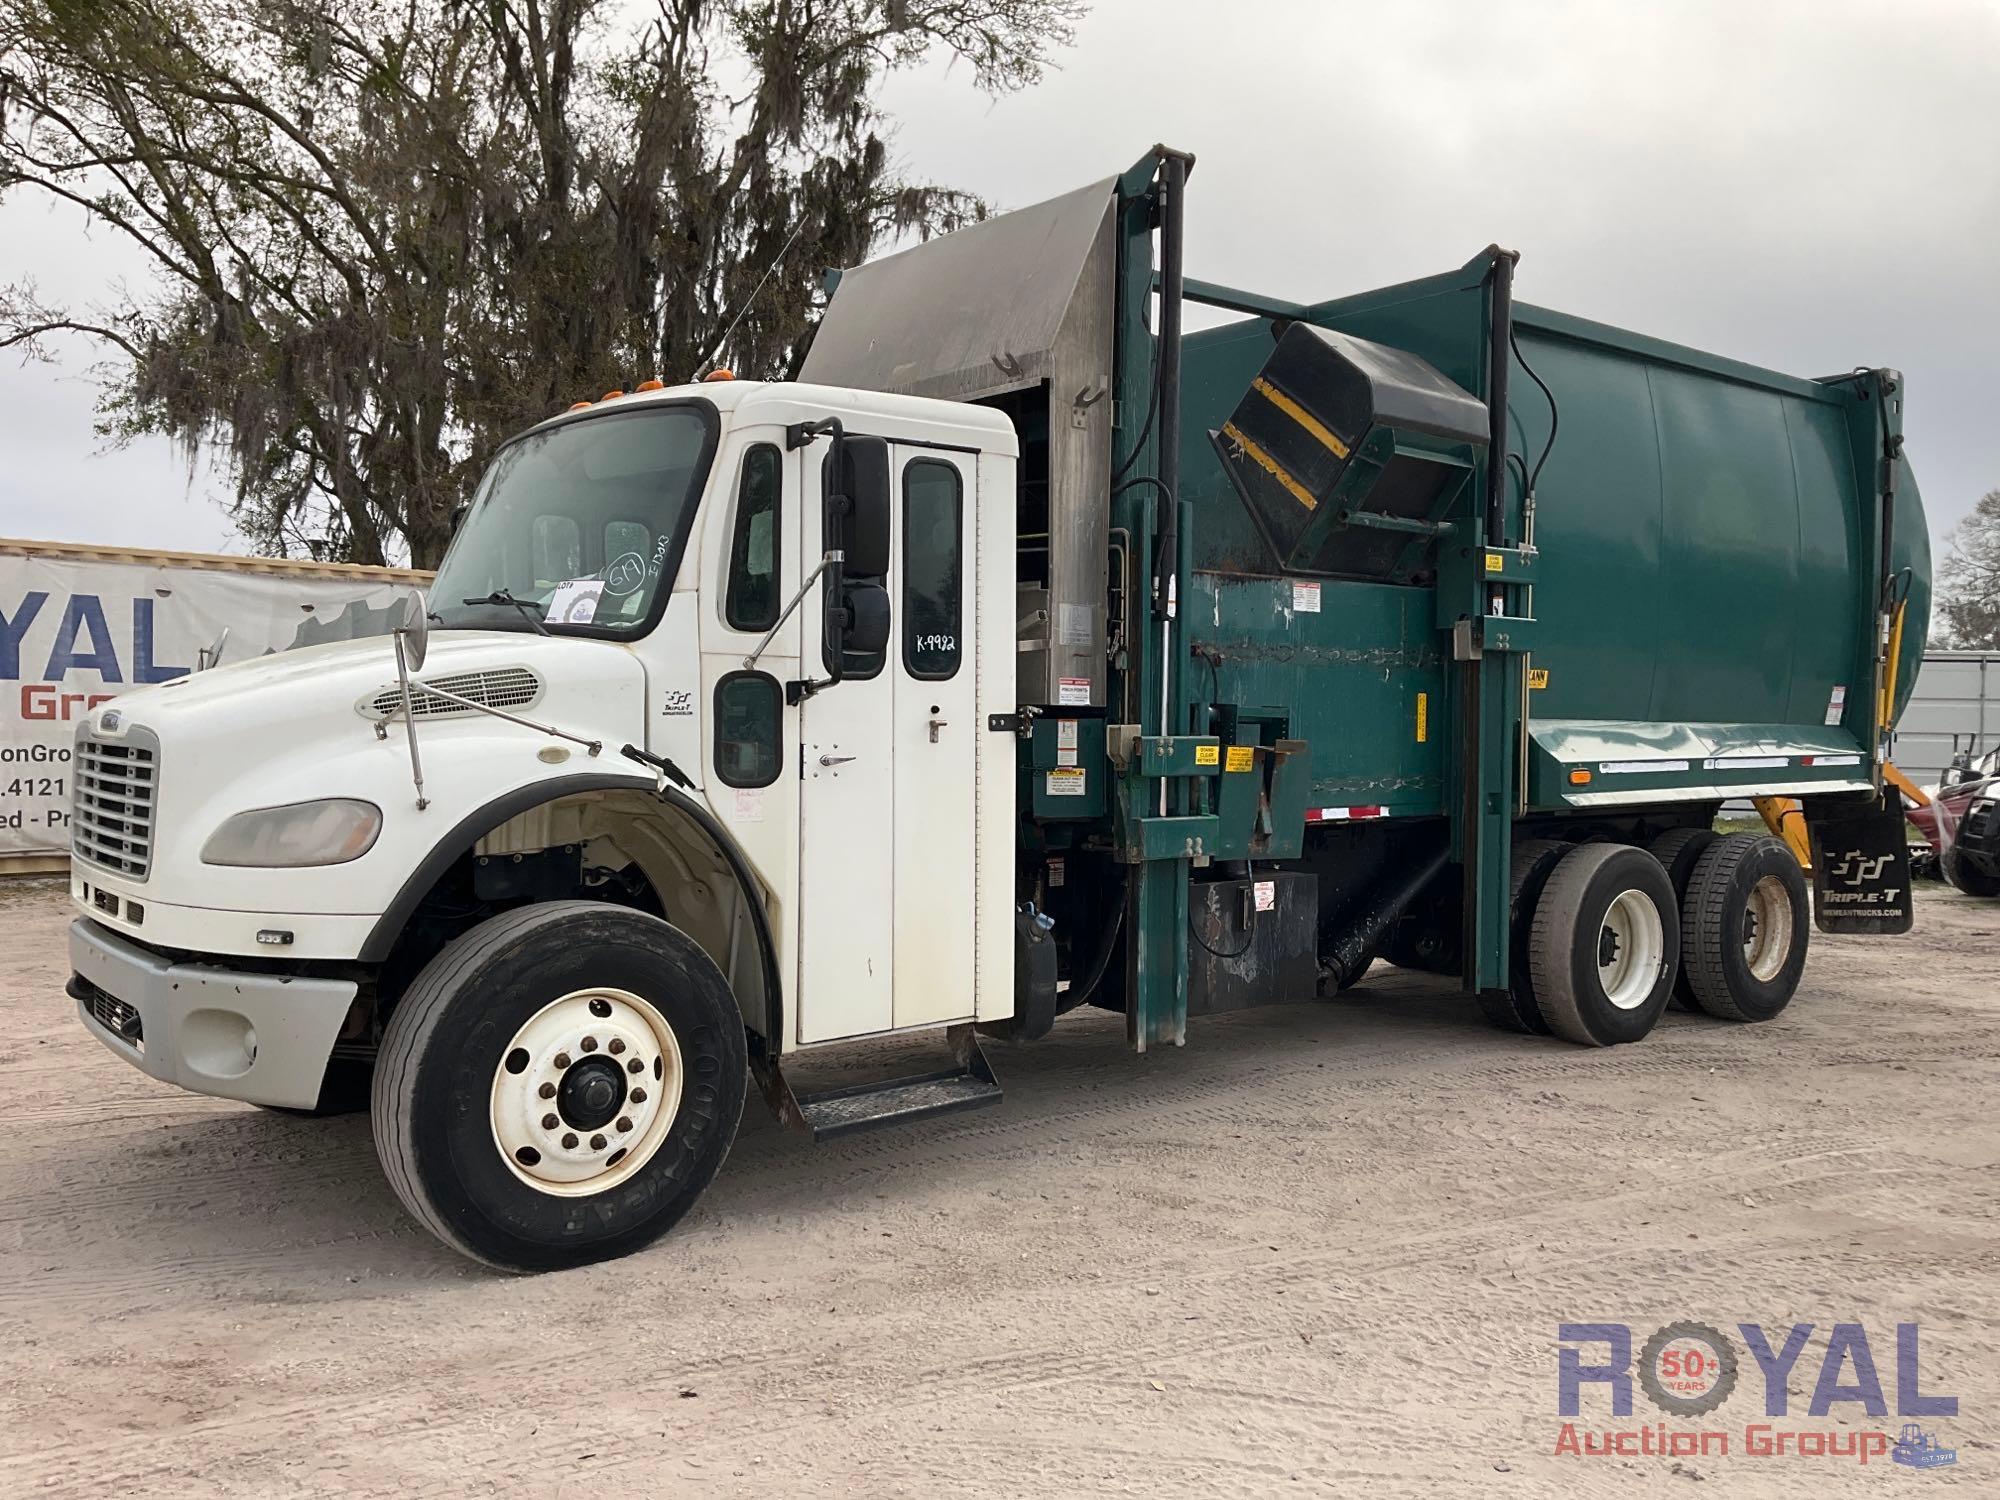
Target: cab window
[750,600]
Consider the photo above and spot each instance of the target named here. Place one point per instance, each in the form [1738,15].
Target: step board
[839,1112]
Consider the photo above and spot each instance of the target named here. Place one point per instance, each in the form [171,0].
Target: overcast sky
[1806,184]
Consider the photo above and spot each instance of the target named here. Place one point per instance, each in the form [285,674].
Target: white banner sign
[75,632]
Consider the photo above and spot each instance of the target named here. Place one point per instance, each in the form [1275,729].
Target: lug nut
[589,1044]
[638,1096]
[635,1066]
[615,1046]
[569,1141]
[624,1123]
[549,1122]
[597,1143]
[562,1059]
[547,1091]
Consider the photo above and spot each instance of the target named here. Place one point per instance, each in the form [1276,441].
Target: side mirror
[867,631]
[864,527]
[415,631]
[458,515]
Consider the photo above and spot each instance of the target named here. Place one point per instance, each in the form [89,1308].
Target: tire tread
[1703,912]
[410,1027]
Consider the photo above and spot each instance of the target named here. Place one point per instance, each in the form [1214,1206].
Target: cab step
[866,1106]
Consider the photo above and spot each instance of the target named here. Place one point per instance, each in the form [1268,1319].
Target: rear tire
[559,1085]
[1745,917]
[1515,1011]
[1678,850]
[1960,876]
[1605,945]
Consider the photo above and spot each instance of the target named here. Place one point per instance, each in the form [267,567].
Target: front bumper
[262,1038]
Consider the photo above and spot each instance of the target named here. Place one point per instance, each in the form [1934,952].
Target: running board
[867,1106]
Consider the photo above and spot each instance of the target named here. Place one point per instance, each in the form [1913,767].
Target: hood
[304,724]
[338,674]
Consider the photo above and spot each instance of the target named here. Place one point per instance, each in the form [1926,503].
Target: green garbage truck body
[1319,662]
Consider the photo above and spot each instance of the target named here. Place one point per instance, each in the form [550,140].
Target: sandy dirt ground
[1324,1249]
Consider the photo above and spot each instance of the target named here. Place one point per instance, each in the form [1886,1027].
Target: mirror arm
[834,507]
[785,614]
[410,719]
[593,746]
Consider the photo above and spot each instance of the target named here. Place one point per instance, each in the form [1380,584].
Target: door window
[750,601]
[749,720]
[933,568]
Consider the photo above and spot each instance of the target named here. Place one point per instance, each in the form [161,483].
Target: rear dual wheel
[1515,1010]
[1604,945]
[1679,850]
[1745,917]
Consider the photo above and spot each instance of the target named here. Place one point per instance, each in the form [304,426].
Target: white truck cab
[681,746]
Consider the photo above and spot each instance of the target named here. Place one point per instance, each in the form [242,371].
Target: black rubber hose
[1555,414]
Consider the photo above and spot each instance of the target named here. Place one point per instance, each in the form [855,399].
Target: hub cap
[586,1091]
[1767,928]
[1631,945]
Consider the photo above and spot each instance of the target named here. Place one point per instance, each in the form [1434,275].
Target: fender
[483,820]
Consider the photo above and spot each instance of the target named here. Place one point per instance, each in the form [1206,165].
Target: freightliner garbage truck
[1027,653]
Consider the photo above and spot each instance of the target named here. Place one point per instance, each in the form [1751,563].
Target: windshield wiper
[530,610]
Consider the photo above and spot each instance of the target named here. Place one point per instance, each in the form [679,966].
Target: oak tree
[385,234]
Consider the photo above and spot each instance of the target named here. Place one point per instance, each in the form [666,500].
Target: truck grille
[509,688]
[111,814]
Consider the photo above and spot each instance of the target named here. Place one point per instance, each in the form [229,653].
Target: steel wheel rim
[559,1068]
[1767,928]
[1631,945]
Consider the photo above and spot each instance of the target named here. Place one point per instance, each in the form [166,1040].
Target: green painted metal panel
[1345,676]
[1631,762]
[1179,755]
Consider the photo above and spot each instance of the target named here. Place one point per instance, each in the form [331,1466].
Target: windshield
[582,523]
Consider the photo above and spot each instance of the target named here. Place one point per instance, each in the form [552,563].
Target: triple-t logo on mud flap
[1851,882]
[1688,1371]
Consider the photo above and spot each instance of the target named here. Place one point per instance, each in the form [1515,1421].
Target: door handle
[936,725]
[835,760]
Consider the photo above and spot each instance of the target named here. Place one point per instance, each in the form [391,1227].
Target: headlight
[330,832]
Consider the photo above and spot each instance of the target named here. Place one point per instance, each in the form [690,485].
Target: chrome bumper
[262,1038]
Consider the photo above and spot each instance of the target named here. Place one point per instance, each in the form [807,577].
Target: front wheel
[559,1085]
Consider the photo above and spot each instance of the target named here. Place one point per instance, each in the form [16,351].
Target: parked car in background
[1966,850]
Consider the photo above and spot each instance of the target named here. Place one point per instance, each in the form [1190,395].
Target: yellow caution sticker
[1207,755]
[1493,562]
[1423,717]
[1538,678]
[1241,758]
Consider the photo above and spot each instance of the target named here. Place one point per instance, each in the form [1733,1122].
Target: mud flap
[1860,867]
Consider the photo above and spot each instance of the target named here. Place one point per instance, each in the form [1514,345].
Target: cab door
[888,796]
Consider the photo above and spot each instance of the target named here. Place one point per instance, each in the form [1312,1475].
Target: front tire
[559,1085]
[1605,945]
